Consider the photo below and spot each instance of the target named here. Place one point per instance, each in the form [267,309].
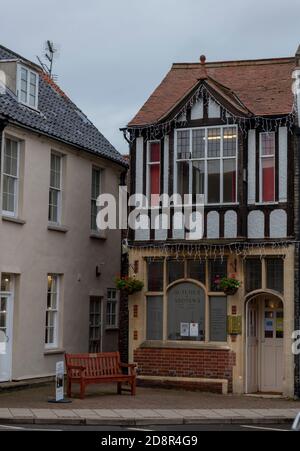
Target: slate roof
[58,117]
[264,87]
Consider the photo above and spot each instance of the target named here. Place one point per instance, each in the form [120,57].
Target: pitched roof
[58,117]
[264,87]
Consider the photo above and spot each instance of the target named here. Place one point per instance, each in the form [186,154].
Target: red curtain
[268,184]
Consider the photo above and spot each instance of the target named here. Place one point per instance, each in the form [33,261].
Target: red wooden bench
[86,369]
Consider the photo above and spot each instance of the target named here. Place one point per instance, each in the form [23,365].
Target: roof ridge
[234,63]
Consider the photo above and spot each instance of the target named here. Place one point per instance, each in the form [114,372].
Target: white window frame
[56,311]
[114,301]
[59,198]
[29,72]
[206,158]
[16,178]
[262,157]
[95,168]
[149,164]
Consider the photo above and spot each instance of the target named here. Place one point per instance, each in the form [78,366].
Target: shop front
[186,331]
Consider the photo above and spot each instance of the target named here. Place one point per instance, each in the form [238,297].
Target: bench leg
[133,387]
[119,388]
[82,389]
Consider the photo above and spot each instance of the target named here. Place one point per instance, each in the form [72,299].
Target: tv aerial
[49,55]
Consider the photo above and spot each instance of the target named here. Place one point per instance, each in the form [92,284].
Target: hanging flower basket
[129,285]
[230,286]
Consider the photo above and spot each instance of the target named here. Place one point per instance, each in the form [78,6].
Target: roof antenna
[50,53]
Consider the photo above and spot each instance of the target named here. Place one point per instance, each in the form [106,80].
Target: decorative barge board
[220,308]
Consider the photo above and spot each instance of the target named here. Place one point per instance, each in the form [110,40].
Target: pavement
[152,406]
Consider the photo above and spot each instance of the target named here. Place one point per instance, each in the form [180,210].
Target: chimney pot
[202,59]
[297,57]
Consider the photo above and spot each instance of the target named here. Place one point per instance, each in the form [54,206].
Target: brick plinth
[197,363]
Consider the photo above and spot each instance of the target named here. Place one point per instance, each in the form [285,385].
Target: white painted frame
[100,170]
[262,157]
[56,334]
[16,178]
[116,302]
[149,164]
[206,159]
[10,303]
[60,190]
[29,71]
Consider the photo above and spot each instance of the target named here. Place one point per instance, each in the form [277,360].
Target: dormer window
[28,82]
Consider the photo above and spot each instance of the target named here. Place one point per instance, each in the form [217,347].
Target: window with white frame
[10,175]
[267,167]
[206,160]
[112,308]
[153,184]
[28,86]
[54,215]
[52,311]
[95,192]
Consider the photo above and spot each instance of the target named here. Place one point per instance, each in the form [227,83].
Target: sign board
[234,325]
[59,386]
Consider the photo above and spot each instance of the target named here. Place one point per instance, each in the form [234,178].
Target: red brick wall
[210,364]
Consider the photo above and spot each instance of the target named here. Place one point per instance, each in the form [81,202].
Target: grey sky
[114,53]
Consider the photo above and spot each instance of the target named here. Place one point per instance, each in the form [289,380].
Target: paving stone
[206,413]
[86,413]
[169,413]
[147,413]
[127,413]
[107,413]
[21,413]
[226,413]
[5,413]
[44,413]
[65,413]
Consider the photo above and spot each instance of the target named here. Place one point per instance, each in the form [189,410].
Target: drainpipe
[296,90]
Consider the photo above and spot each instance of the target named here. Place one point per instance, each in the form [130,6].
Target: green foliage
[129,285]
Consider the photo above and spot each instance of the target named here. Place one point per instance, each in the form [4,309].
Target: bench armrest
[131,367]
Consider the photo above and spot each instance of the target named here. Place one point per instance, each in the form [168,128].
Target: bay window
[206,160]
[10,174]
[154,173]
[267,167]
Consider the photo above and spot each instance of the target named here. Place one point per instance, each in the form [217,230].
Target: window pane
[155,276]
[253,274]
[175,270]
[214,142]
[229,181]
[154,318]
[154,184]
[9,188]
[24,74]
[53,205]
[55,173]
[10,166]
[229,142]
[198,177]
[217,270]
[218,319]
[183,178]
[268,143]
[198,144]
[154,152]
[196,270]
[213,172]
[95,183]
[186,313]
[268,179]
[275,274]
[183,145]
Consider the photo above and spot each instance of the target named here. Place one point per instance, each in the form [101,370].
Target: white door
[272,347]
[6,311]
[252,344]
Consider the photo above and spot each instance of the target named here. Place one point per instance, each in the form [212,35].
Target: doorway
[264,344]
[6,328]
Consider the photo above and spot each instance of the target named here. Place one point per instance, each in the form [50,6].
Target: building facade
[226,131]
[57,290]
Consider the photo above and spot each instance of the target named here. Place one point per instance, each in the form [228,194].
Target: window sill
[13,220]
[98,236]
[185,345]
[57,228]
[54,351]
[111,328]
